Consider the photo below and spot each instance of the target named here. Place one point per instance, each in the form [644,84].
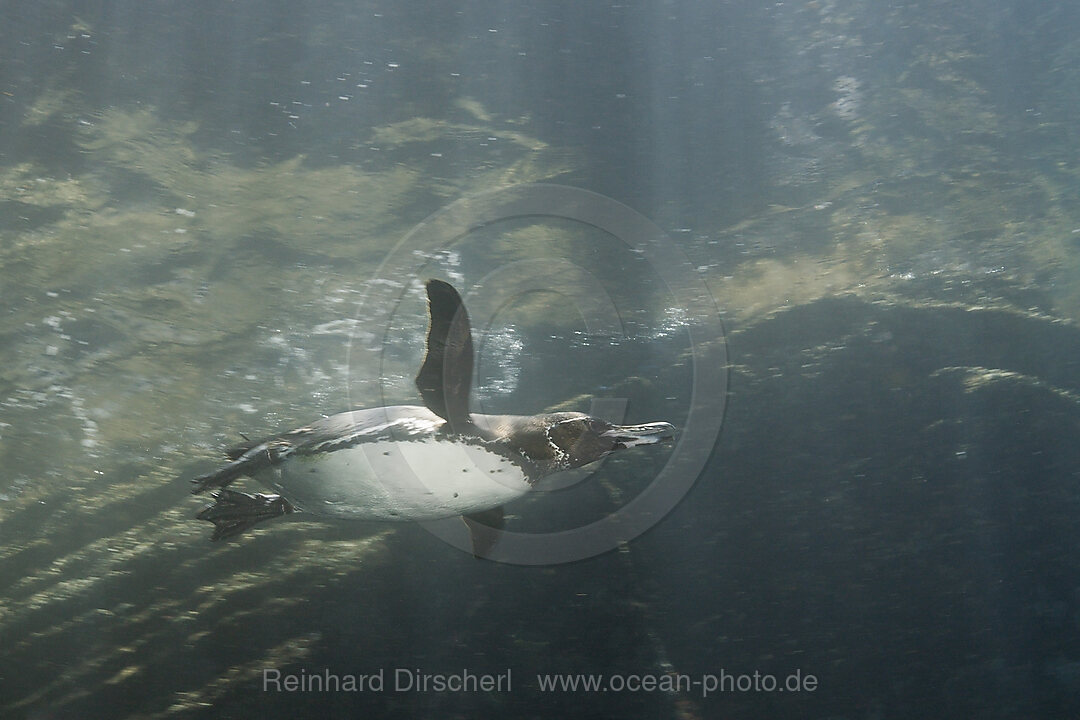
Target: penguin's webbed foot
[233,512]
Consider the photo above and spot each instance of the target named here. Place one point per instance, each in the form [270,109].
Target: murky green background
[880,198]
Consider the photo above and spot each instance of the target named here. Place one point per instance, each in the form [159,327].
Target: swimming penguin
[406,462]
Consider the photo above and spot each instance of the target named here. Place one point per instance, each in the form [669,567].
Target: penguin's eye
[567,433]
[598,426]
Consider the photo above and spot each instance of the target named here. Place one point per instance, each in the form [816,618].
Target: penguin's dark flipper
[445,378]
[485,528]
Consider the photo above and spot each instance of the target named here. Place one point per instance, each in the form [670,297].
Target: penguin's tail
[245,460]
[233,512]
[220,477]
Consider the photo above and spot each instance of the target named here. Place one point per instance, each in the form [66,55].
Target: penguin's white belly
[398,480]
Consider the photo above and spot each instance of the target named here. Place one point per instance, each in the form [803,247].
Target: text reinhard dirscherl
[400,680]
[414,680]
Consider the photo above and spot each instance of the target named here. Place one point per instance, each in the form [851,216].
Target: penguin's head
[578,439]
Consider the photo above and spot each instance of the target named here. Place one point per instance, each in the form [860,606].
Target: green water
[195,211]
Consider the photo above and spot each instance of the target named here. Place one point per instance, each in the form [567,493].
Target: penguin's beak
[647,434]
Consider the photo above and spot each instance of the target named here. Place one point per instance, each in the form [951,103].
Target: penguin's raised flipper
[445,378]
